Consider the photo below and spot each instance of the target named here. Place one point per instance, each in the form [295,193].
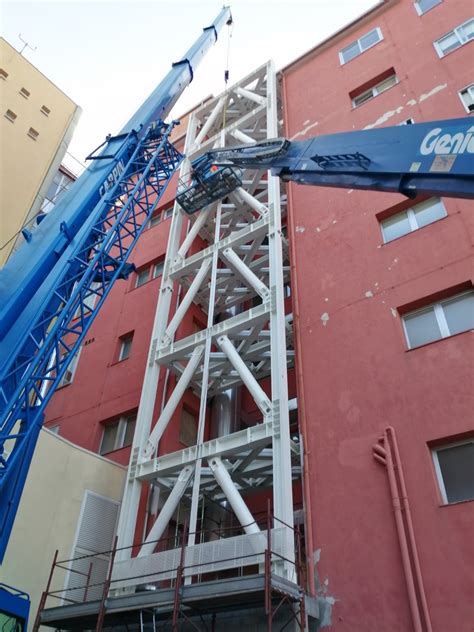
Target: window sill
[119,361]
[114,451]
[458,502]
[63,385]
[427,344]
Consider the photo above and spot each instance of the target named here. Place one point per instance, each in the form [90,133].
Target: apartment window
[142,277]
[3,74]
[422,6]
[361,45]
[125,347]
[54,429]
[11,116]
[168,213]
[412,219]
[454,466]
[188,428]
[118,434]
[44,110]
[467,98]
[158,269]
[68,376]
[90,299]
[155,220]
[25,93]
[439,320]
[373,91]
[32,133]
[455,38]
[58,187]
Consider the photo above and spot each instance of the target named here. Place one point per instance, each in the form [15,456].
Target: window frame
[357,41]
[470,90]
[10,115]
[158,265]
[454,31]
[138,276]
[411,216]
[440,319]
[437,468]
[155,219]
[123,341]
[374,91]
[420,11]
[72,368]
[121,423]
[33,134]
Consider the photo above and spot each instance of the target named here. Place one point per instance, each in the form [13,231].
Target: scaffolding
[164,601]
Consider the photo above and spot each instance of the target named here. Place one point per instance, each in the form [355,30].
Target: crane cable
[226,70]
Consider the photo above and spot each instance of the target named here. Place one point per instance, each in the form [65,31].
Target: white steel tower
[229,261]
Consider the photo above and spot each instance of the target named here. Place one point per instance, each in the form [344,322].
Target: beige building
[36,125]
[70,502]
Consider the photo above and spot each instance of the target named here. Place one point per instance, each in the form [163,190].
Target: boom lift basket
[205,188]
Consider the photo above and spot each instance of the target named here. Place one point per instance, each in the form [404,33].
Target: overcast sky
[108,56]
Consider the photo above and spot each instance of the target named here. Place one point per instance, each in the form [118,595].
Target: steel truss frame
[242,268]
[97,258]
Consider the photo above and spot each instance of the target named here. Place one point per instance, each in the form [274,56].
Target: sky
[108,56]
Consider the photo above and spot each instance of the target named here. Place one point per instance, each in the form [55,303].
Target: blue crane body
[435,158]
[77,252]
[14,608]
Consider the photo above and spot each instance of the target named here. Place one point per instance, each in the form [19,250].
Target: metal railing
[183,571]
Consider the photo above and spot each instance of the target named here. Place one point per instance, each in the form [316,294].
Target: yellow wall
[27,166]
[48,515]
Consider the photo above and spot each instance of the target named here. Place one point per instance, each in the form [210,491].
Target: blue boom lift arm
[75,254]
[435,158]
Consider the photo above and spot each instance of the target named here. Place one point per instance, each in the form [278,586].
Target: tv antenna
[25,44]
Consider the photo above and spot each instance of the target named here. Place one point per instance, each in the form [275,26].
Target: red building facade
[381,293]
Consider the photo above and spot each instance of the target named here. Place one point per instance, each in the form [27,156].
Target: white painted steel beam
[166,512]
[232,494]
[186,302]
[246,273]
[248,94]
[172,403]
[212,117]
[248,379]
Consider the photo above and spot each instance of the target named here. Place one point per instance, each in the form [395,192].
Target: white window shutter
[95,535]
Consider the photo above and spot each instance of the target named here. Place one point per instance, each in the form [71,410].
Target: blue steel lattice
[98,257]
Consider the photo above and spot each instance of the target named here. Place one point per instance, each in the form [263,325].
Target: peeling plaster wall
[356,376]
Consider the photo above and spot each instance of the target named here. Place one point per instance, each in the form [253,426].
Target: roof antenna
[25,45]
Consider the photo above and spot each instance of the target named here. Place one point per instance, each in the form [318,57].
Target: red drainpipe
[386,452]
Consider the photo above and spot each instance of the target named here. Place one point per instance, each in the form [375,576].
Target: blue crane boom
[74,254]
[435,158]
